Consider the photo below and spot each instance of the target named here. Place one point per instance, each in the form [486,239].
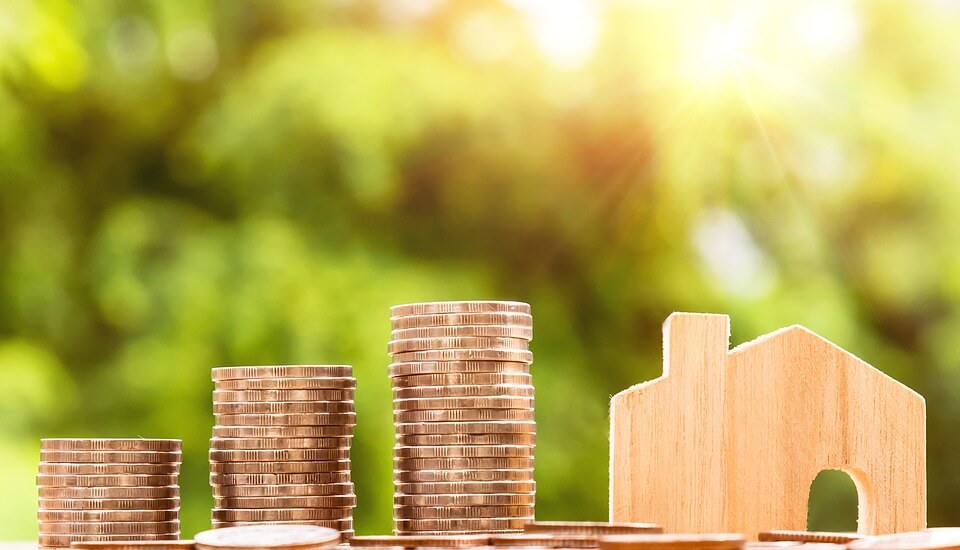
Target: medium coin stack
[108,490]
[463,412]
[280,451]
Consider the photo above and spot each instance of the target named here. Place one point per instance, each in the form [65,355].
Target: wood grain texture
[731,440]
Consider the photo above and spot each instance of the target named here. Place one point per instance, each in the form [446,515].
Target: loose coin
[319,419]
[520,540]
[475,451]
[296,514]
[456,342]
[90,468]
[344,383]
[463,415]
[461,319]
[506,331]
[527,439]
[267,536]
[460,487]
[169,491]
[486,499]
[808,536]
[449,391]
[279,443]
[279,455]
[110,504]
[594,528]
[286,407]
[133,545]
[282,431]
[446,403]
[326,489]
[341,501]
[461,379]
[60,541]
[73,444]
[344,526]
[464,463]
[120,480]
[243,396]
[468,306]
[465,354]
[279,479]
[452,367]
[466,427]
[110,528]
[304,467]
[106,516]
[721,541]
[460,512]
[112,457]
[283,371]
[461,475]
[479,524]
[437,541]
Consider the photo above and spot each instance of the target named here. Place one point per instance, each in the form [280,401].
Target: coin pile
[108,490]
[280,451]
[463,412]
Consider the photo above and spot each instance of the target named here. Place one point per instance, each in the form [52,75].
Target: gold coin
[106,516]
[169,491]
[320,419]
[110,504]
[461,319]
[720,541]
[469,487]
[283,371]
[303,467]
[341,525]
[446,391]
[503,331]
[456,342]
[461,512]
[70,444]
[395,370]
[133,545]
[60,541]
[279,479]
[487,525]
[113,457]
[466,306]
[326,489]
[279,443]
[283,407]
[475,451]
[593,528]
[339,501]
[808,536]
[527,439]
[267,536]
[465,354]
[541,540]
[437,541]
[480,499]
[403,476]
[279,455]
[448,403]
[463,415]
[461,379]
[280,514]
[257,396]
[282,431]
[466,427]
[464,463]
[110,528]
[90,468]
[119,480]
[344,383]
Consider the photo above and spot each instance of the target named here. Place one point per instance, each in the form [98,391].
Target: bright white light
[565,30]
[827,29]
[726,44]
[730,255]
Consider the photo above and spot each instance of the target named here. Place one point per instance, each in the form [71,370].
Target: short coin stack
[280,451]
[463,412]
[108,490]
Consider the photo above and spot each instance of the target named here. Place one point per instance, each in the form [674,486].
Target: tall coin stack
[108,490]
[280,451]
[463,412]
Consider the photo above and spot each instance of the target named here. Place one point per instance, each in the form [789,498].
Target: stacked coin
[108,490]
[719,541]
[463,412]
[280,451]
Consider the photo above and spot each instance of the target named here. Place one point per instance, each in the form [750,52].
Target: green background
[186,184]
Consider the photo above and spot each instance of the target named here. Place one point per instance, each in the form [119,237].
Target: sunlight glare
[566,31]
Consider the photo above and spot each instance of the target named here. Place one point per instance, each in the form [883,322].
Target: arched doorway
[833,502]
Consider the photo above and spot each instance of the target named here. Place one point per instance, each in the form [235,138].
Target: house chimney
[695,345]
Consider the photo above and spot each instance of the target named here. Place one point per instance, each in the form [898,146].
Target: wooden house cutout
[731,440]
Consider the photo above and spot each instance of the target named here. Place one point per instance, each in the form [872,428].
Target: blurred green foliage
[191,184]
